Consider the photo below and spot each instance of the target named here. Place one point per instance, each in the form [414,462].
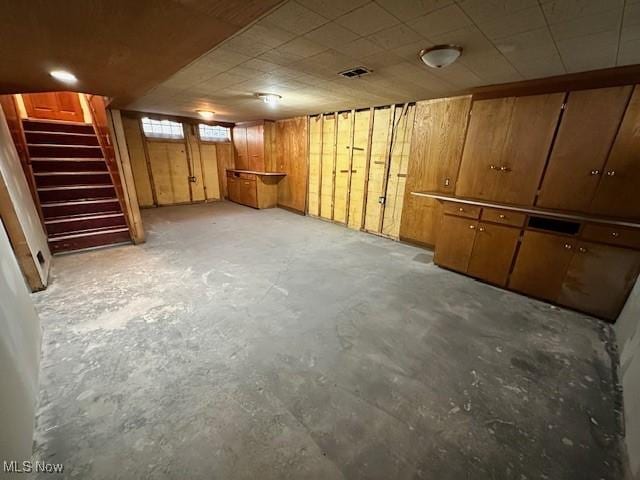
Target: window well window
[213,133]
[162,129]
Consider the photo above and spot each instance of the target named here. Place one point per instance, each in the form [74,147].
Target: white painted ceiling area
[297,50]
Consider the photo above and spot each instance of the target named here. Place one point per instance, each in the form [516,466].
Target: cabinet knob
[568,246]
[502,215]
[481,229]
[493,167]
[504,168]
[461,209]
[615,234]
[595,172]
[582,250]
[472,227]
[611,173]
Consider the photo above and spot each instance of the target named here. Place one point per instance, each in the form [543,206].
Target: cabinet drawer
[461,210]
[241,175]
[505,217]
[625,237]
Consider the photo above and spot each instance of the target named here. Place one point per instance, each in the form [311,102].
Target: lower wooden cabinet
[493,251]
[455,242]
[541,265]
[253,189]
[599,279]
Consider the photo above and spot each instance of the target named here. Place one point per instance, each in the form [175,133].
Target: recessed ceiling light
[440,55]
[63,76]
[206,114]
[269,98]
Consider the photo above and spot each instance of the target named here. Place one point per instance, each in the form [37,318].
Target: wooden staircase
[76,191]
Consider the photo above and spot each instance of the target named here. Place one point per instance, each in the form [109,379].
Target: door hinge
[381,200]
[563,106]
[192,179]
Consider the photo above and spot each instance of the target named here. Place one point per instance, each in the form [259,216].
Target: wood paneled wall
[173,172]
[291,152]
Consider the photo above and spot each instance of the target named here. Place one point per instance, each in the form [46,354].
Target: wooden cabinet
[493,251]
[455,242]
[541,264]
[585,135]
[254,144]
[618,193]
[506,148]
[599,279]
[253,189]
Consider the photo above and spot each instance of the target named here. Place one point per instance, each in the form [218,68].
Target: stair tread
[49,132]
[72,187]
[83,216]
[85,233]
[61,145]
[62,203]
[72,172]
[67,159]
[46,120]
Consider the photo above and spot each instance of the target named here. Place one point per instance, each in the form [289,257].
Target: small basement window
[213,133]
[162,129]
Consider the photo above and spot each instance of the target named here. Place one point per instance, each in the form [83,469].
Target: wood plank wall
[291,153]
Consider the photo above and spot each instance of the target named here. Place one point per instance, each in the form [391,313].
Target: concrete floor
[244,344]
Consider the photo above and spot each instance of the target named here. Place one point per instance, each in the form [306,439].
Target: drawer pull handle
[481,229]
[615,234]
[504,168]
[502,215]
[582,250]
[568,246]
[461,209]
[472,227]
[493,167]
[595,172]
[344,171]
[611,173]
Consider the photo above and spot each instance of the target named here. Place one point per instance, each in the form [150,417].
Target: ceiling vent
[355,72]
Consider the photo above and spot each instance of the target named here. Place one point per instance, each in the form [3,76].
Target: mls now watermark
[30,467]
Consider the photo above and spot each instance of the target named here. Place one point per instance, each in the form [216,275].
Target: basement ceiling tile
[445,20]
[246,45]
[394,37]
[295,18]
[409,9]
[587,25]
[483,11]
[411,51]
[513,23]
[458,76]
[381,60]
[331,35]
[589,52]
[538,67]
[534,43]
[629,52]
[558,11]
[491,66]
[332,9]
[302,47]
[261,65]
[271,36]
[631,23]
[367,19]
[223,56]
[278,57]
[360,48]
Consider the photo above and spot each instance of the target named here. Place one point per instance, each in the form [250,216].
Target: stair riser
[75,225]
[89,241]
[76,194]
[61,138]
[83,208]
[64,152]
[67,166]
[65,180]
[56,127]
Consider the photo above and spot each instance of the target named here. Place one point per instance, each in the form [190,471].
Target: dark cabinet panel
[493,252]
[455,242]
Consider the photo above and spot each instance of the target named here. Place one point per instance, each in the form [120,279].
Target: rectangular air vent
[355,72]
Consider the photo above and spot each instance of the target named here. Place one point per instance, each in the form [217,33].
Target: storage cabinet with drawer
[253,189]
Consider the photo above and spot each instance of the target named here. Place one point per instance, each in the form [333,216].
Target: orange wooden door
[255,147]
[54,106]
[455,242]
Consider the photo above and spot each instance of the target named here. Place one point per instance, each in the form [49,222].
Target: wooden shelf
[529,210]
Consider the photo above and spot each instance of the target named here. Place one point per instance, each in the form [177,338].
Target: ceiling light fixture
[63,76]
[441,55]
[206,114]
[269,98]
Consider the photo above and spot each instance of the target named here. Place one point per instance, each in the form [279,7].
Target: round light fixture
[440,55]
[206,114]
[63,76]
[269,98]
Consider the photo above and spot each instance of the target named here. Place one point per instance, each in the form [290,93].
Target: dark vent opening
[355,72]
[553,225]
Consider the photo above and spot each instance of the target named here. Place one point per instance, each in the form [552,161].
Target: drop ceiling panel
[298,49]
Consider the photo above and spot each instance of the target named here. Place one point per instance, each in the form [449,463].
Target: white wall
[628,334]
[20,338]
[13,176]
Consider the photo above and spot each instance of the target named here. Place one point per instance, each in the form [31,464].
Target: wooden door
[359,156]
[209,161]
[328,163]
[618,193]
[255,148]
[585,135]
[233,189]
[488,128]
[436,149]
[315,157]
[170,172]
[382,118]
[397,172]
[493,251]
[343,166]
[599,279]
[455,242]
[541,264]
[240,142]
[63,106]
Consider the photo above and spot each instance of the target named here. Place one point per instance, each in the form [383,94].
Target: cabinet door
[488,128]
[541,264]
[599,279]
[63,106]
[588,127]
[255,148]
[233,191]
[248,194]
[240,142]
[493,252]
[618,194]
[455,242]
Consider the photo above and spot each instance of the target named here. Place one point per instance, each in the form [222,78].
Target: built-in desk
[252,188]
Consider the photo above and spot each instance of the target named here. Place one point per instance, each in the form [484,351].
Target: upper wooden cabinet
[584,139]
[506,148]
[618,190]
[254,143]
